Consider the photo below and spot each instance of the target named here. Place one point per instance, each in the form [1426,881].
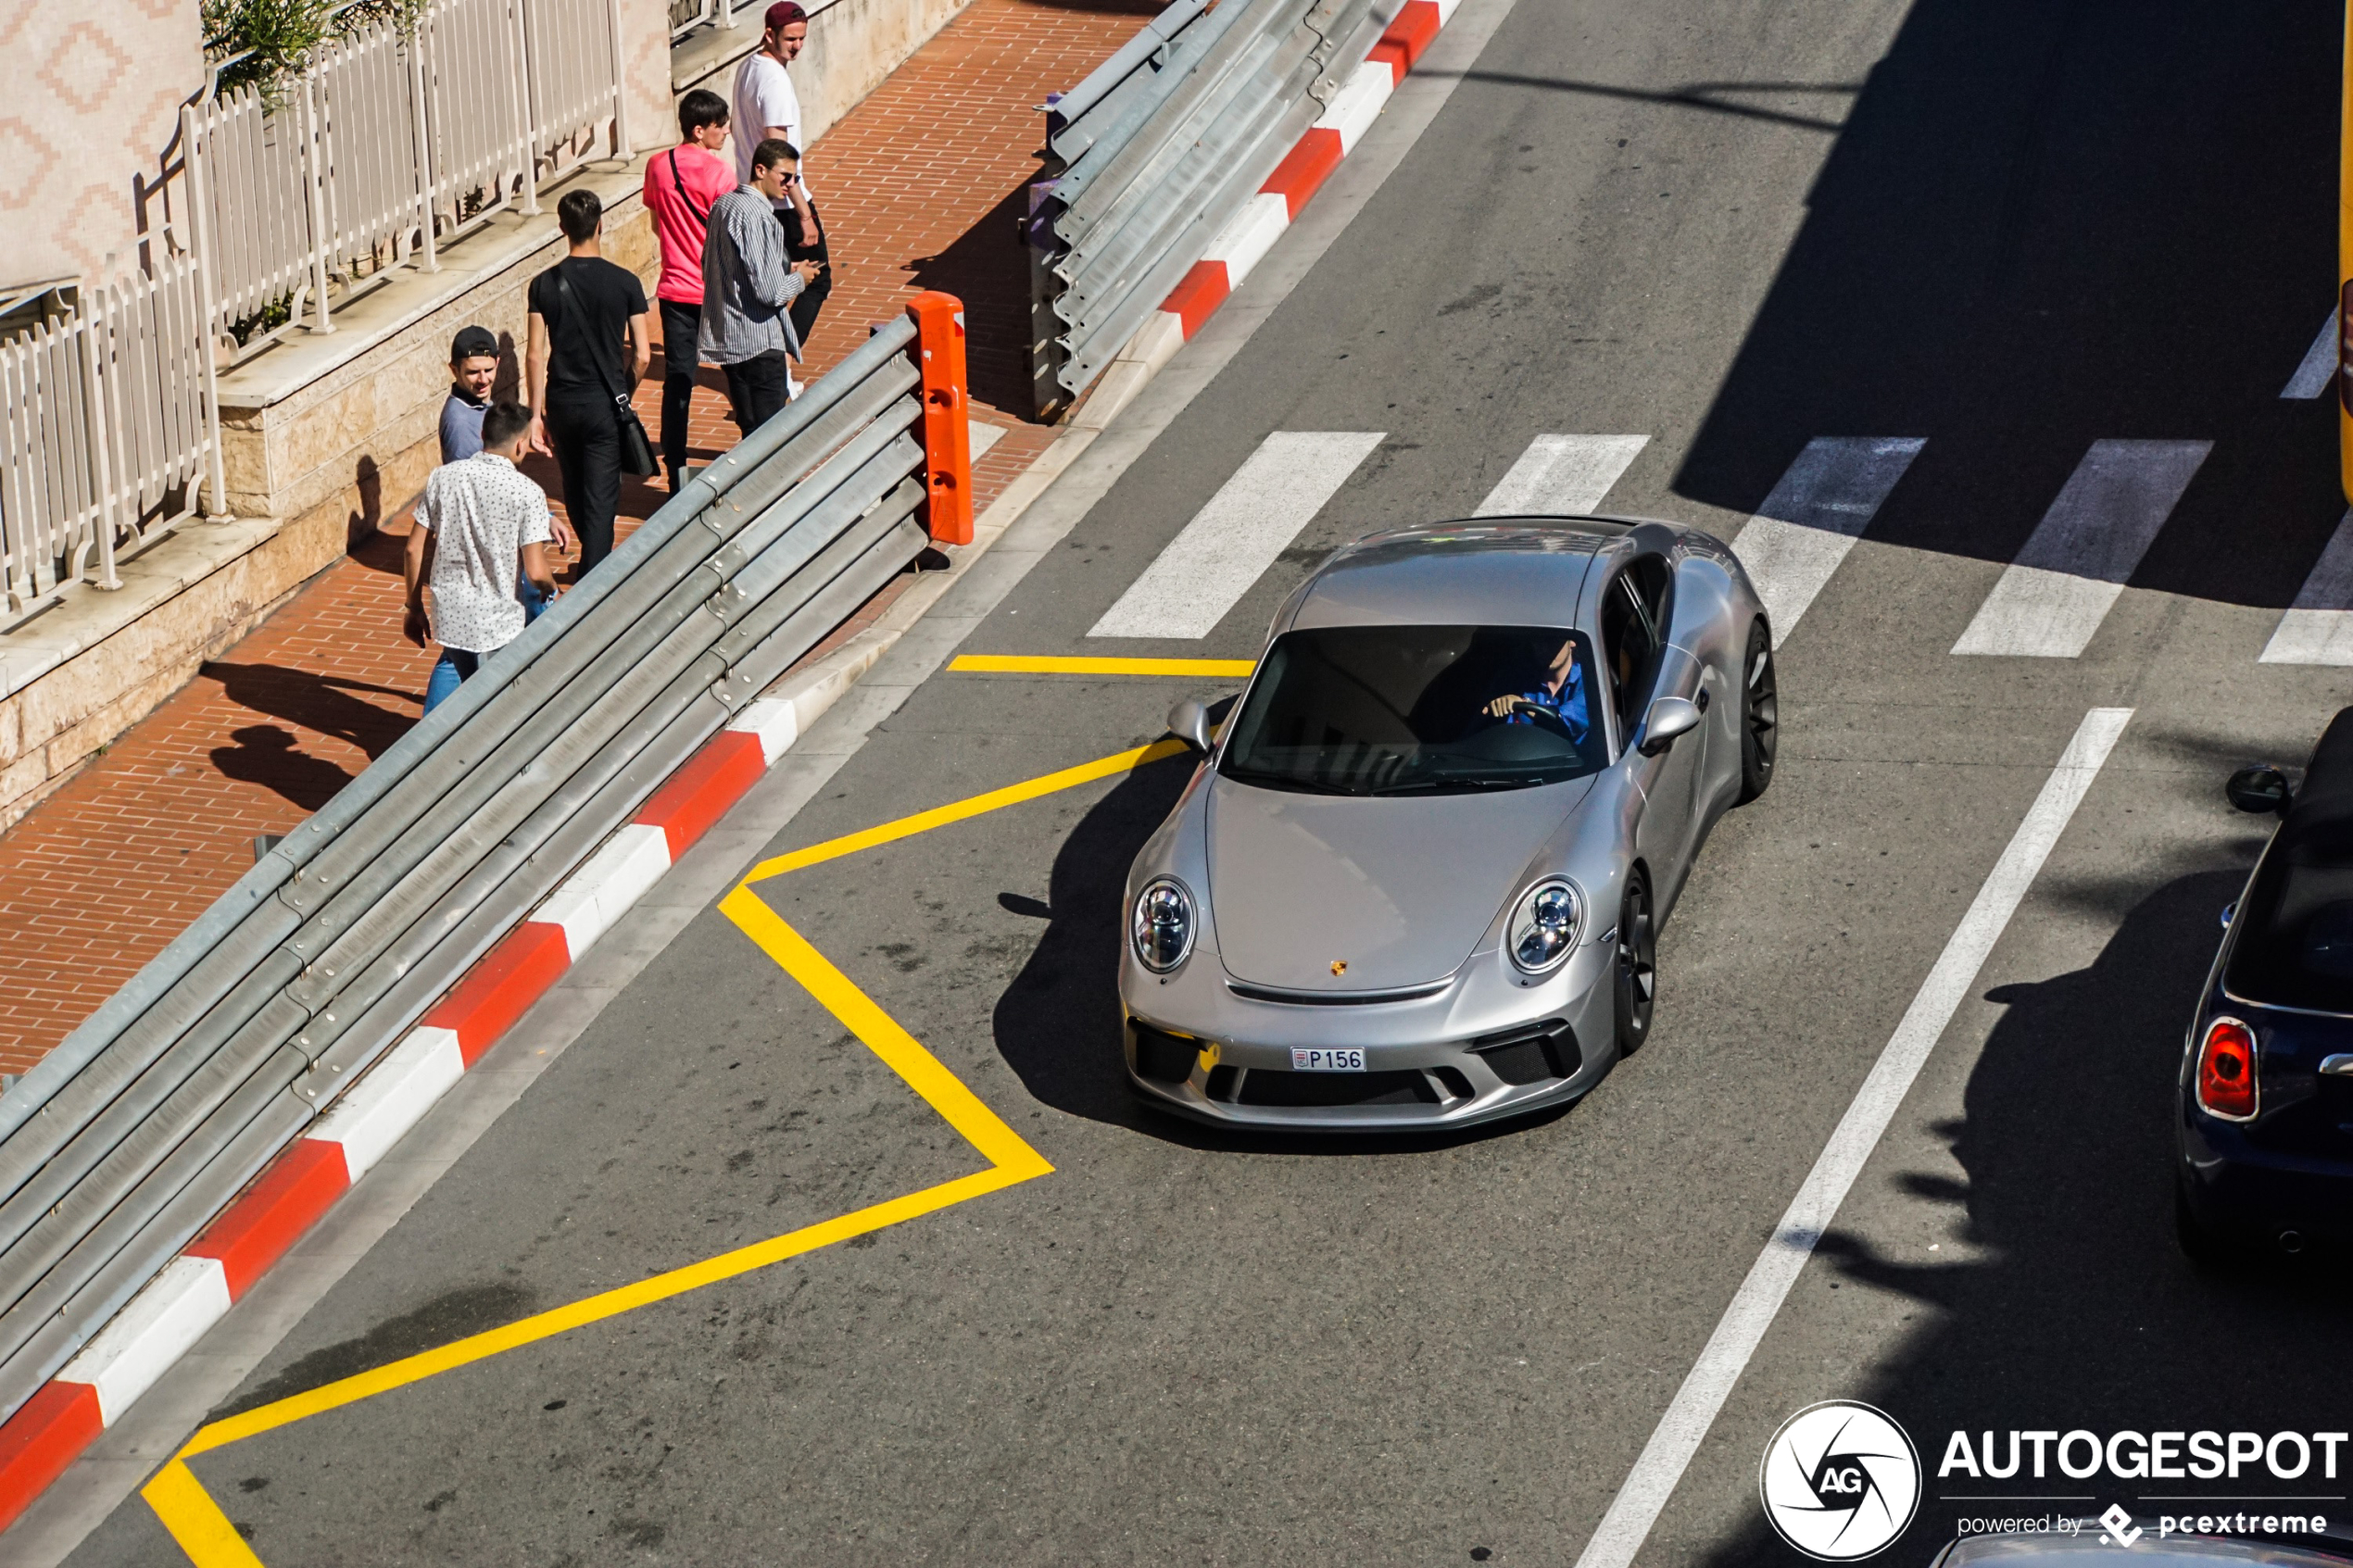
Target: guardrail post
[948,462]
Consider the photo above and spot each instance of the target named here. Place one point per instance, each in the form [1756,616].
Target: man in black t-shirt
[582,310]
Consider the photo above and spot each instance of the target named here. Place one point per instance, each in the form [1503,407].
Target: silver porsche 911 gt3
[1416,881]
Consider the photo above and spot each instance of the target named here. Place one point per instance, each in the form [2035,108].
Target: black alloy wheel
[1637,966]
[1760,714]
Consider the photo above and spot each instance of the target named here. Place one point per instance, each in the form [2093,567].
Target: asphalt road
[2009,229]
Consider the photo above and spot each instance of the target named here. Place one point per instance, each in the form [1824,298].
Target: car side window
[1632,635]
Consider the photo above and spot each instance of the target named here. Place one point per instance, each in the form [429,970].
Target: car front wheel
[1760,713]
[1637,966]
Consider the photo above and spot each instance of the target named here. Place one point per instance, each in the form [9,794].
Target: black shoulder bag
[637,450]
[686,201]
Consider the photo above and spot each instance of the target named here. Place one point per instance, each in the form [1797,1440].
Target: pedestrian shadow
[1058,1023]
[268,756]
[2058,1299]
[327,705]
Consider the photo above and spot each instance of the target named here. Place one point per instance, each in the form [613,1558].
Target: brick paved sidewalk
[920,186]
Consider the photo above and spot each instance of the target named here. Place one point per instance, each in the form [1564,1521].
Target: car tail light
[2226,1070]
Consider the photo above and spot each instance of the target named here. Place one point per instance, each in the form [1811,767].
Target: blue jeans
[452,668]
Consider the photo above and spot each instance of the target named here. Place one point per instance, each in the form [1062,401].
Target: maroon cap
[783,14]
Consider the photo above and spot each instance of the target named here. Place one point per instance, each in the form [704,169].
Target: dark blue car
[2265,1088]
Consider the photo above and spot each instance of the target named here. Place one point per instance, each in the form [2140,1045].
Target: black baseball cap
[471,341]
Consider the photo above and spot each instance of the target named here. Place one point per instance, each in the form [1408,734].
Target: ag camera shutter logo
[1840,1481]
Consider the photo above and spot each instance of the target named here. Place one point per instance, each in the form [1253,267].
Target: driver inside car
[1558,695]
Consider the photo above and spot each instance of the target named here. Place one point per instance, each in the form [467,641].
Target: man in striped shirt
[748,289]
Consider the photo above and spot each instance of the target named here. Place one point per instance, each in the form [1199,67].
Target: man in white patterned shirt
[482,524]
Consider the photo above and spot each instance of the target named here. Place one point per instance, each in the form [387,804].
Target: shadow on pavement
[2047,223]
[2077,1311]
[988,268]
[327,704]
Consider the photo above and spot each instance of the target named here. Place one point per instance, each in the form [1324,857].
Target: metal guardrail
[125,1140]
[1152,155]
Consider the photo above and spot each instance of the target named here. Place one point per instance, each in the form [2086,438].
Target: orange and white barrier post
[948,461]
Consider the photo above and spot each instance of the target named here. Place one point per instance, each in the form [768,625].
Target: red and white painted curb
[1246,239]
[298,1187]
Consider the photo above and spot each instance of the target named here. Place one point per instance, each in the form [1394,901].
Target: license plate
[1352,1060]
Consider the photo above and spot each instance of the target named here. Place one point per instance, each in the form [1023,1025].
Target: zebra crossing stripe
[1562,475]
[2052,598]
[1235,536]
[2318,628]
[1813,516]
[2312,376]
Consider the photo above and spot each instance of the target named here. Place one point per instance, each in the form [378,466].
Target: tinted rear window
[2296,938]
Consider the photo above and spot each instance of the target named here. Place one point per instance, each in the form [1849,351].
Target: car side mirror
[1189,722]
[2259,789]
[1669,717]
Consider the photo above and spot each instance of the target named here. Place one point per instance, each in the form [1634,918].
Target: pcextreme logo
[1840,1480]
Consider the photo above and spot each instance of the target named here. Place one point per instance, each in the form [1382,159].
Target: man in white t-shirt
[766,106]
[480,526]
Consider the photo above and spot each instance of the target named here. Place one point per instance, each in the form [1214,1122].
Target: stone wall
[90,96]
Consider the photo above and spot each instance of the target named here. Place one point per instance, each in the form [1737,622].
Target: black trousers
[805,306]
[587,436]
[679,325]
[759,387]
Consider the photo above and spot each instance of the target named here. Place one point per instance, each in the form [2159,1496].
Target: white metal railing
[388,145]
[688,15]
[108,423]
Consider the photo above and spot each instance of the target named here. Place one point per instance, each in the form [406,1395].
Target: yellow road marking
[940,816]
[204,1533]
[1021,664]
[963,1110]
[195,1520]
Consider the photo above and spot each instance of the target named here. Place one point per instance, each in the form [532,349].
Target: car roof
[2084,1551]
[1490,571]
[2326,799]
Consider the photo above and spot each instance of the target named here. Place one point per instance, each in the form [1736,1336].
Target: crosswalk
[2049,601]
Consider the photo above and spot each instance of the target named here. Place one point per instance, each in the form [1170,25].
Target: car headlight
[1162,929]
[1543,927]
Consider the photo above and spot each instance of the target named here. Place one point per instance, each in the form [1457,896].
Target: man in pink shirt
[680,187]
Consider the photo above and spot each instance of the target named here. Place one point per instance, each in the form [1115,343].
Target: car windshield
[2296,943]
[1418,710]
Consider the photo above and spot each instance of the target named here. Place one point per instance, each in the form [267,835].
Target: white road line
[1681,1430]
[2318,628]
[1562,475]
[1813,516]
[1235,537]
[2311,377]
[2049,601]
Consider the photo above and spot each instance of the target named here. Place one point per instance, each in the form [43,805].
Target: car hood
[1399,889]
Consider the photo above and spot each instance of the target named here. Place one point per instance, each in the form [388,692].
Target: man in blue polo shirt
[1558,694]
[473,371]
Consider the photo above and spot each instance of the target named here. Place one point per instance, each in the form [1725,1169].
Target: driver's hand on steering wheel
[1505,705]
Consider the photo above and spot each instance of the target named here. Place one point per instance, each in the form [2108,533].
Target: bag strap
[573,310]
[702,218]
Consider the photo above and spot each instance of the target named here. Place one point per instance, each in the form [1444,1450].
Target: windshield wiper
[1465,784]
[1288,781]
